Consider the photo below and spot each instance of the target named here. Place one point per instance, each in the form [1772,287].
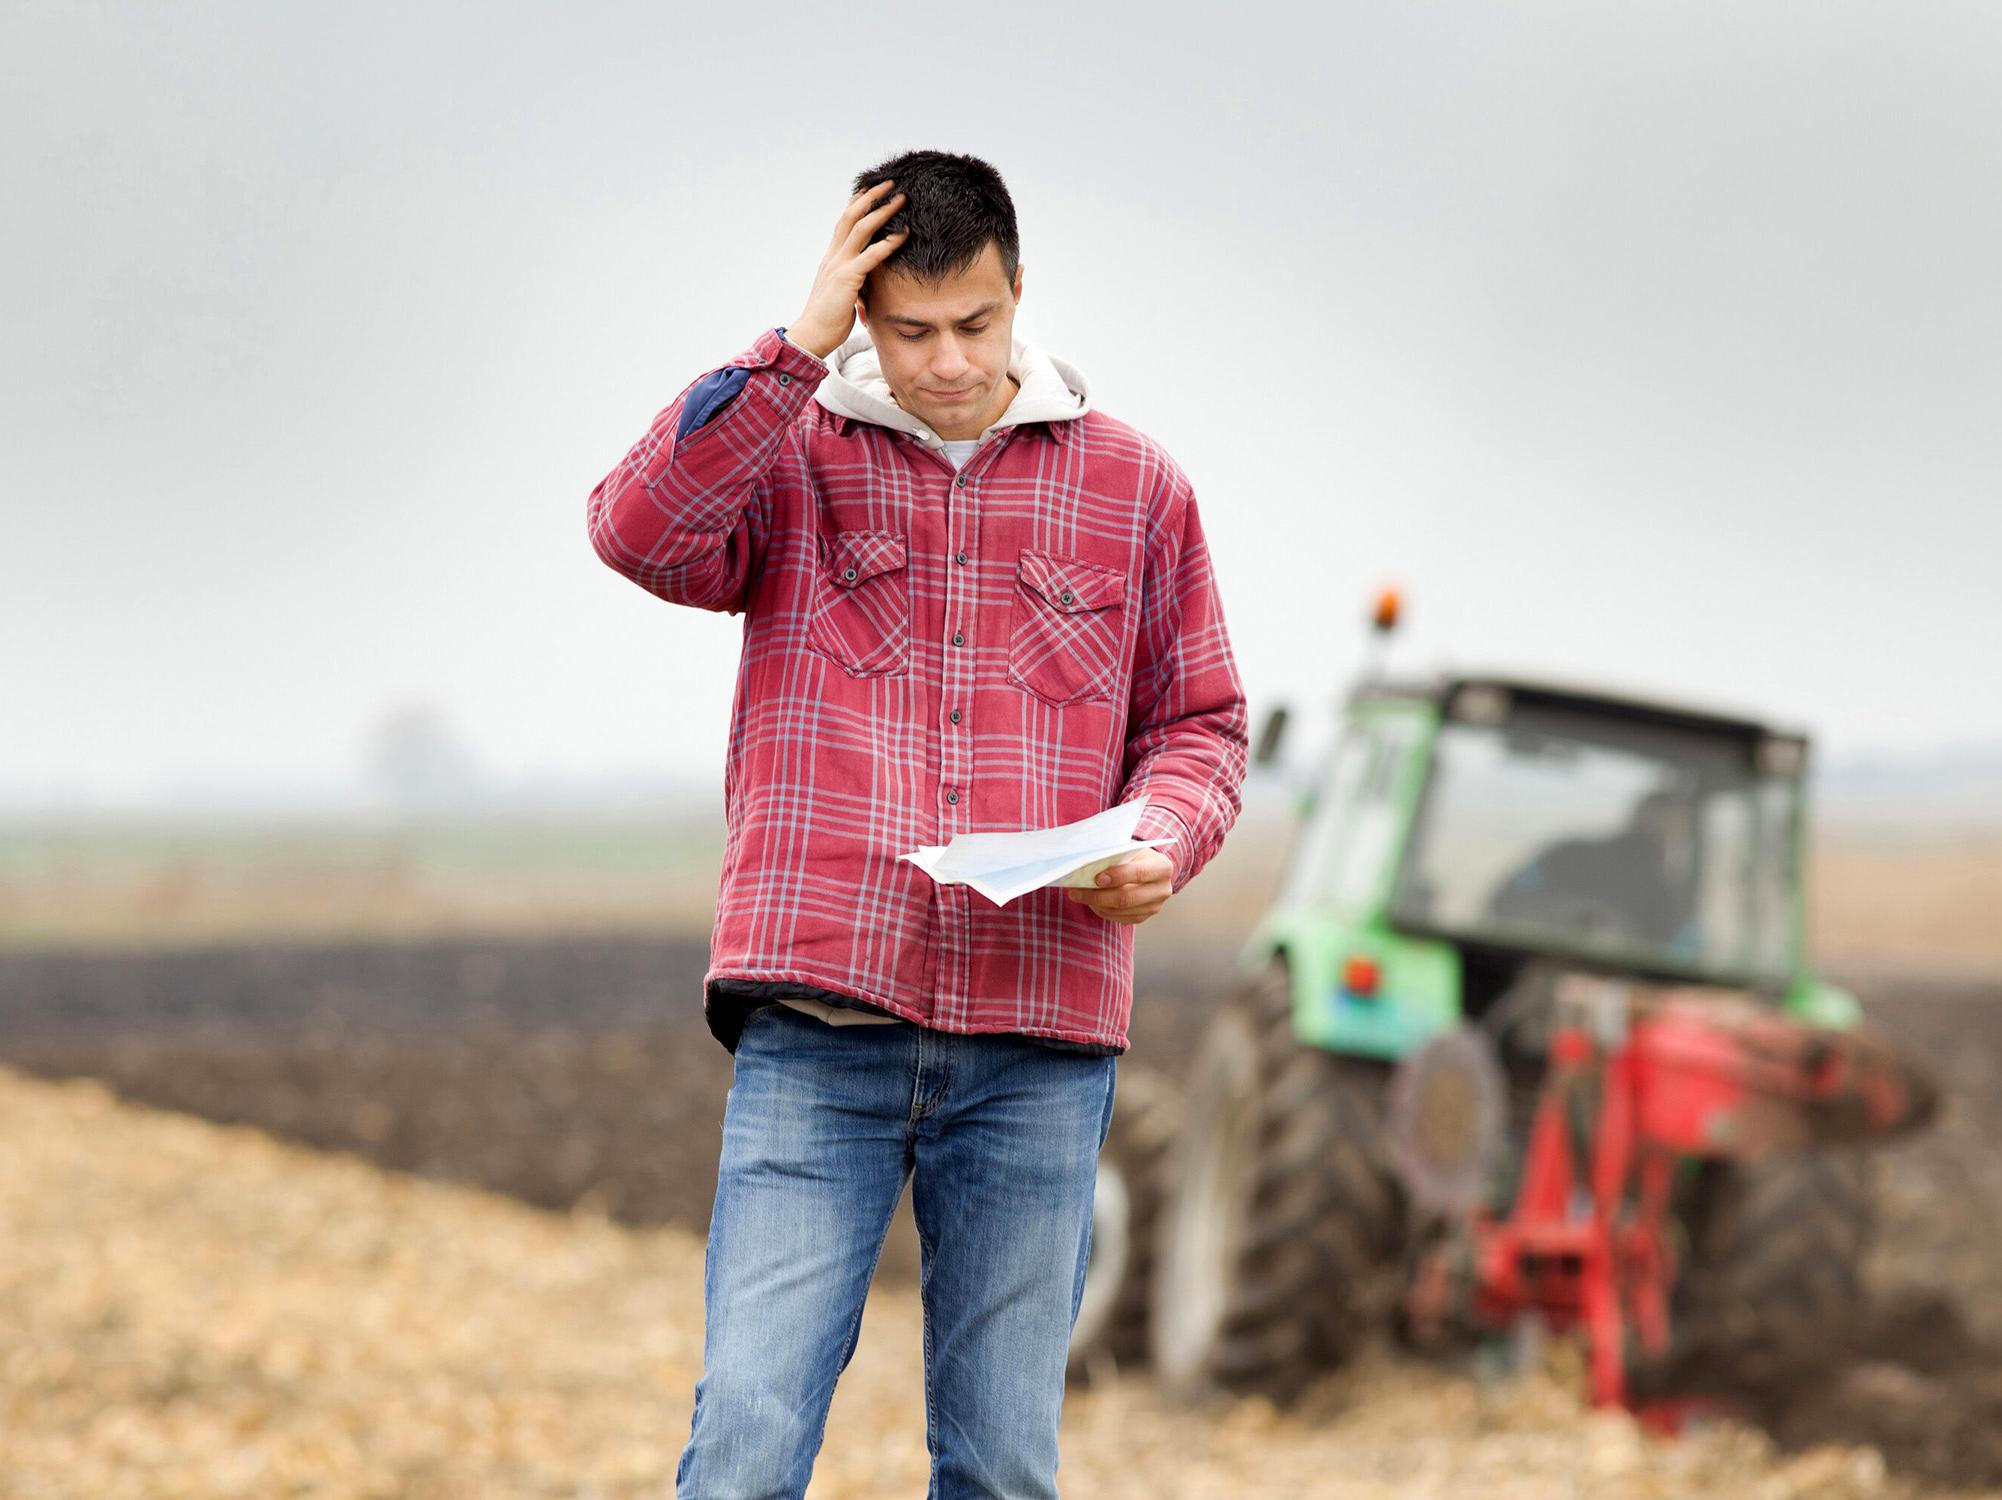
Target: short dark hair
[953,205]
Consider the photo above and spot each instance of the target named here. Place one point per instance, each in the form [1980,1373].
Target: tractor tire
[1280,1238]
[1125,1215]
[1772,1286]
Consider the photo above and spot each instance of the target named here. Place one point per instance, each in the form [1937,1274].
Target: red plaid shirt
[927,653]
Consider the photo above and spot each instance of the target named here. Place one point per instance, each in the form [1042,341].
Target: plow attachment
[1641,1083]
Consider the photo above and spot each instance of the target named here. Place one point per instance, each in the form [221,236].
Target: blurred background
[1657,347]
[344,793]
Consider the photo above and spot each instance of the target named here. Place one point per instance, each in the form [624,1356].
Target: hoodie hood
[1051,390]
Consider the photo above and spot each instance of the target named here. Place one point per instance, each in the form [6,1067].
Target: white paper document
[1002,866]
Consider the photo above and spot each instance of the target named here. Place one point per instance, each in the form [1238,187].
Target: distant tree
[417,763]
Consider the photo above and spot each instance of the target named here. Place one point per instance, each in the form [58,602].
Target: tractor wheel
[1773,1281]
[1125,1212]
[1280,1238]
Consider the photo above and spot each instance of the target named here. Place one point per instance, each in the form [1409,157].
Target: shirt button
[960,558]
[955,716]
[849,574]
[960,480]
[784,379]
[952,796]
[1064,598]
[959,638]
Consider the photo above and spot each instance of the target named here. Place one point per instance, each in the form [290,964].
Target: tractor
[1528,1042]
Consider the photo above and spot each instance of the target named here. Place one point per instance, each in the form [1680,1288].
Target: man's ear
[862,313]
[1017,288]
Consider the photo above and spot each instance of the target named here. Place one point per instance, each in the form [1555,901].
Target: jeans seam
[695,1410]
[1105,1129]
[936,1041]
[931,1394]
[1111,1093]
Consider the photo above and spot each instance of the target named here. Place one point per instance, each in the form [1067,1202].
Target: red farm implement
[1643,1085]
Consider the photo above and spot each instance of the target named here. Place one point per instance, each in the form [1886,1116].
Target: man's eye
[910,338]
[969,329]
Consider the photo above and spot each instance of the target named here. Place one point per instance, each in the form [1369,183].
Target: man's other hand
[1132,890]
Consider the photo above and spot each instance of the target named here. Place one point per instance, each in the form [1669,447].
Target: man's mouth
[949,395]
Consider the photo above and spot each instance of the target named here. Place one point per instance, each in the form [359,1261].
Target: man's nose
[949,363]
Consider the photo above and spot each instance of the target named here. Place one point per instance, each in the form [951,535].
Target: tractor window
[1364,860]
[1352,830]
[1329,819]
[1573,832]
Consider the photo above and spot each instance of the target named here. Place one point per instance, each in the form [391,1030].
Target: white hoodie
[1051,390]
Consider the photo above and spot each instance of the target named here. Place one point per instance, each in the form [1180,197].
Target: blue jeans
[823,1126]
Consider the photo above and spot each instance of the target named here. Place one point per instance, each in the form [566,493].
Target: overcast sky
[1658,344]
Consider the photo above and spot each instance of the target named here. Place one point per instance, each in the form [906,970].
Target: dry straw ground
[201,1312]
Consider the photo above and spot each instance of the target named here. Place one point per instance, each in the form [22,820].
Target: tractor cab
[1605,831]
[1464,828]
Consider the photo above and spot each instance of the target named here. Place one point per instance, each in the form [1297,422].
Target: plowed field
[208,1312]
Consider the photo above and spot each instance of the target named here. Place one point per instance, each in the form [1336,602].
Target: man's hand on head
[829,313]
[1132,890]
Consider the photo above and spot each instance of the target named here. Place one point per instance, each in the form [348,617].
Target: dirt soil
[211,1312]
[576,1074]
[1922,1380]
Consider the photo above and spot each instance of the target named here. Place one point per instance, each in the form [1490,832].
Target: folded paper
[1002,866]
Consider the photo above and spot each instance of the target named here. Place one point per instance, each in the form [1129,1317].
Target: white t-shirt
[960,451]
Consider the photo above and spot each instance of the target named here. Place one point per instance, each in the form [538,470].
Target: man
[971,603]
[1643,879]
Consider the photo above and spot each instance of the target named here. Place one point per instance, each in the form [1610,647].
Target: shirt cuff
[1159,822]
[803,353]
[791,374]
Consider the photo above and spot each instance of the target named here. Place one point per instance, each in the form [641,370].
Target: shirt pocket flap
[1070,585]
[853,556]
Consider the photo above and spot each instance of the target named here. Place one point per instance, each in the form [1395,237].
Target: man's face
[944,349]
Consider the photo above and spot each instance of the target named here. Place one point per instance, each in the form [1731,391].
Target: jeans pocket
[1069,635]
[860,617]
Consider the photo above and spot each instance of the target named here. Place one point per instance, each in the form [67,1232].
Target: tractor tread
[1312,1260]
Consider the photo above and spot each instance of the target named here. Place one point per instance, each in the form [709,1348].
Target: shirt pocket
[861,612]
[1069,628]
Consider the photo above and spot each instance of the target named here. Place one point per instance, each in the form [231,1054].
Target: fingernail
[1105,877]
